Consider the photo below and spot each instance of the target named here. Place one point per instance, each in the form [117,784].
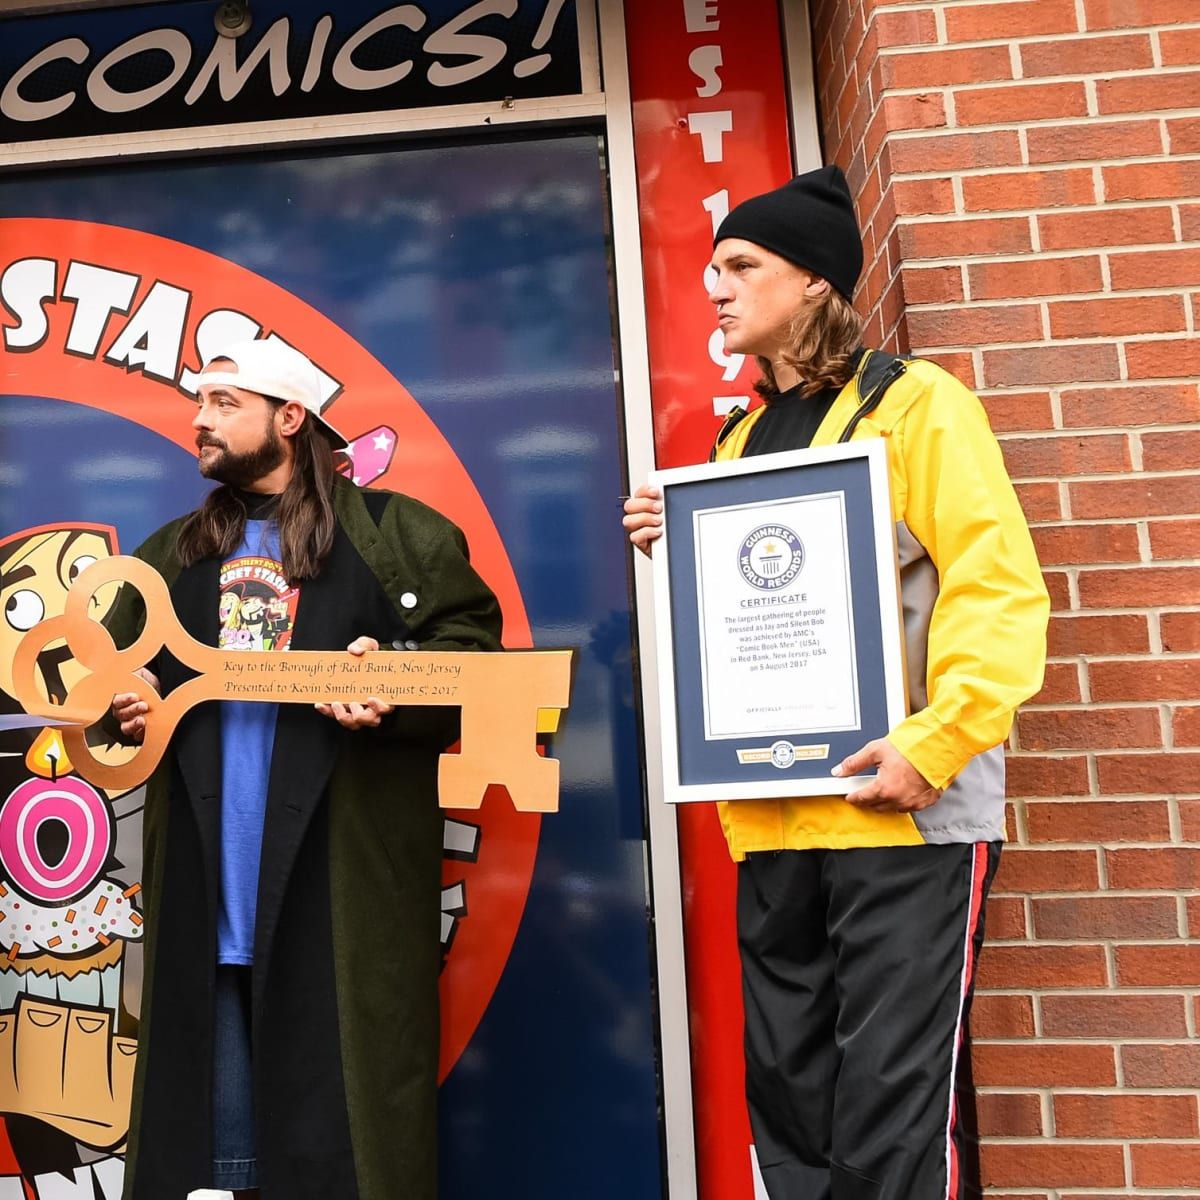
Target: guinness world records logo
[770,557]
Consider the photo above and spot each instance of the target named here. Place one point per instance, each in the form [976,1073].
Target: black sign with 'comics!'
[166,66]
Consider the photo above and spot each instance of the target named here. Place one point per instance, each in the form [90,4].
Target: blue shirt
[257,609]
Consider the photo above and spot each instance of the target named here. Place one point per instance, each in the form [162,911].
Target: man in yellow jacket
[860,918]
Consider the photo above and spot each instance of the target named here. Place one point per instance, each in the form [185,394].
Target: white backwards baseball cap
[272,368]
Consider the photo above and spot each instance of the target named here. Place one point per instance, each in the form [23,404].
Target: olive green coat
[347,949]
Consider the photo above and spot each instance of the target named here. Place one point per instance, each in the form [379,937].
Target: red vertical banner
[710,129]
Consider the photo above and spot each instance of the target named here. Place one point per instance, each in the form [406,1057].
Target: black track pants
[857,972]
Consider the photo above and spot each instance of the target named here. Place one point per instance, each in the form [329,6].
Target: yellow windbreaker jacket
[975,613]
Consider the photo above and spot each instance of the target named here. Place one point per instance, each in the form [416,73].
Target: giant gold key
[506,698]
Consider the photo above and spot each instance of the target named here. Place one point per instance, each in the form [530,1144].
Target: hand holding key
[129,709]
[353,715]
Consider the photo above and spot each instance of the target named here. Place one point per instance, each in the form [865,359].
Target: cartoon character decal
[68,905]
[68,1010]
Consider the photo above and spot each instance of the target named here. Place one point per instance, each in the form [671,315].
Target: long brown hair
[304,512]
[824,336]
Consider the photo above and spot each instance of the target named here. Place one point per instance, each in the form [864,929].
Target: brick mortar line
[1075,523]
[1058,390]
[1101,1139]
[906,91]
[1010,258]
[1103,992]
[1140,658]
[1000,393]
[952,306]
[1079,1139]
[1086,432]
[1057,1041]
[952,5]
[1127,893]
[1086,35]
[1109,991]
[1069,993]
[1147,611]
[1034,211]
[1059,298]
[1073,847]
[1090,339]
[1170,564]
[1137,468]
[929,6]
[1085,77]
[1100,1089]
[933,352]
[1059,943]
[1110,798]
[1167,563]
[1030,943]
[1057,210]
[1104,477]
[1102,706]
[1126,753]
[1085,657]
[1102,849]
[1058,164]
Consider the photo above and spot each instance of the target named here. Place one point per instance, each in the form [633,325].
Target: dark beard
[244,470]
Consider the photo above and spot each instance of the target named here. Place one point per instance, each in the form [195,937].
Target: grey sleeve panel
[972,808]
[918,594]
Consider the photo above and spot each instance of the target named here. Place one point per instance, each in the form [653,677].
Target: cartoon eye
[24,609]
[80,565]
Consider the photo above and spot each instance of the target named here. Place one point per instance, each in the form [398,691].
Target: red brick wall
[1028,176]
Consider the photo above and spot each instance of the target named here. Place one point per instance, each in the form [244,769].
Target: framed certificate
[777,608]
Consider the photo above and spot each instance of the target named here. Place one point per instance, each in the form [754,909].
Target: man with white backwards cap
[289,1041]
[860,918]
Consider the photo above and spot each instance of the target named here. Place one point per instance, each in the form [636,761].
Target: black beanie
[809,221]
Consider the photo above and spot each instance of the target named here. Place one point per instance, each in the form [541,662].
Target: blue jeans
[234,1160]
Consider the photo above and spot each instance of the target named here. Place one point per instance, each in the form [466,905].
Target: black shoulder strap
[878,374]
[879,364]
[733,419]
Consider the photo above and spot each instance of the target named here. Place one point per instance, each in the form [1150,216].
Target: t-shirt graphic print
[258,608]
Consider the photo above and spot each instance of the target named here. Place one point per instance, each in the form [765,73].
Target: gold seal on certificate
[778,621]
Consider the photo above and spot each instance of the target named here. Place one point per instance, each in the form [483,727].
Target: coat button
[409,600]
